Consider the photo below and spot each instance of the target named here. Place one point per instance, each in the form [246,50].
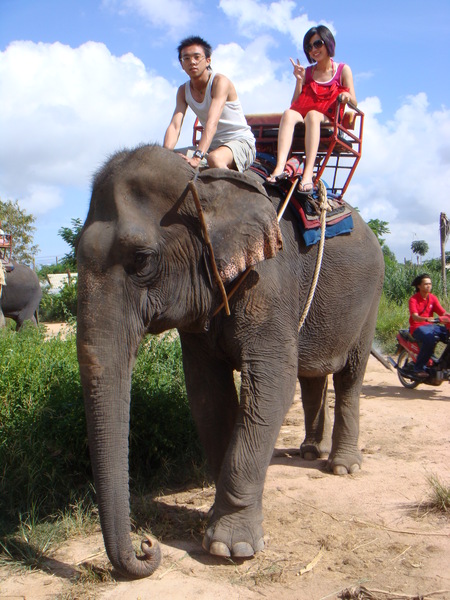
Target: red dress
[320,96]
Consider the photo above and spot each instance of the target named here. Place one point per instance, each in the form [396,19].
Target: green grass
[439,495]
[43,450]
[391,317]
[45,474]
[30,543]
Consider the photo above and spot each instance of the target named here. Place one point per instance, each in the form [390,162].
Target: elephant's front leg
[317,442]
[267,390]
[212,396]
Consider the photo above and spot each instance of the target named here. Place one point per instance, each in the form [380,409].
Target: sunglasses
[317,44]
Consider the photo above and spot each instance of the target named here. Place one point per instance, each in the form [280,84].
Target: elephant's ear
[241,221]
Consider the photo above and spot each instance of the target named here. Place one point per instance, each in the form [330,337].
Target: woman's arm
[347,81]
[299,74]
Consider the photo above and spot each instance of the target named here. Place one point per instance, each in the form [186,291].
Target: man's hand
[194,161]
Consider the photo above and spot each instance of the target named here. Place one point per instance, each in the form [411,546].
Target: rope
[324,206]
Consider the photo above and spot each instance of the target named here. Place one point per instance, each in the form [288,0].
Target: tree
[388,254]
[379,228]
[419,247]
[19,225]
[70,236]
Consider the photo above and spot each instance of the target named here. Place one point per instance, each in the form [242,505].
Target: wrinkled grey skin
[21,295]
[140,270]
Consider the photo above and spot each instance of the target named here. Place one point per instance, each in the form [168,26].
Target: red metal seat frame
[5,245]
[339,149]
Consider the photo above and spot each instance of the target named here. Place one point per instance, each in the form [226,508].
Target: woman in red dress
[314,102]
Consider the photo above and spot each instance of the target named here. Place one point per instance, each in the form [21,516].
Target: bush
[61,306]
[43,442]
[392,316]
[43,450]
[45,270]
[163,437]
[398,277]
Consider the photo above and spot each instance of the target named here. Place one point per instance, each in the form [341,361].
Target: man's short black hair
[418,280]
[194,40]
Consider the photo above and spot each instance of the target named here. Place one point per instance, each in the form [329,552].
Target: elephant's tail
[381,359]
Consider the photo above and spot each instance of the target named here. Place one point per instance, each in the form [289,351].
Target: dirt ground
[368,535]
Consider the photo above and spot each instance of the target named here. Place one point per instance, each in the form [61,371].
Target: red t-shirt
[424,307]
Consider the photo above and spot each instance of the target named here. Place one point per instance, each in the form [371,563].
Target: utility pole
[444,227]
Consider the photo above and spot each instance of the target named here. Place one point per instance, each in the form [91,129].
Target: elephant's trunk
[106,356]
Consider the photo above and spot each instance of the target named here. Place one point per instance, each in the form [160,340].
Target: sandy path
[324,533]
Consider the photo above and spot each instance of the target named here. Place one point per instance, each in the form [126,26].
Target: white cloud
[174,15]
[253,16]
[41,199]
[404,172]
[254,75]
[64,110]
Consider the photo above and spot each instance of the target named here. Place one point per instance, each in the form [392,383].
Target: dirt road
[324,534]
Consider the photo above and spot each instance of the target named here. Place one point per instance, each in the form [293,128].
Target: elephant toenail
[242,550]
[354,468]
[259,546]
[340,470]
[219,549]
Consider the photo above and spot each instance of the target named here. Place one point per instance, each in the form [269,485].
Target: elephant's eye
[144,262]
[140,259]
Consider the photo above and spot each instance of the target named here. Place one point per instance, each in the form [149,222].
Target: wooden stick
[288,197]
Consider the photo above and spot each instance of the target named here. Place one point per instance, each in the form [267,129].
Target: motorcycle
[438,367]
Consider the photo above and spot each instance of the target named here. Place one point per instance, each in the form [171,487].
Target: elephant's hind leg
[345,456]
[317,442]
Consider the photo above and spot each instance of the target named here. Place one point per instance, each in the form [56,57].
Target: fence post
[444,227]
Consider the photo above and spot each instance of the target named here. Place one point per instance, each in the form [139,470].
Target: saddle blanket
[339,220]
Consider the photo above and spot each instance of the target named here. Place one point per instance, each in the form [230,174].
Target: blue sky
[80,79]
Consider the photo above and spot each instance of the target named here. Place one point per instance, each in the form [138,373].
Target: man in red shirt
[422,306]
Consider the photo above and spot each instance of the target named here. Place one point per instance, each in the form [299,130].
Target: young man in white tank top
[227,140]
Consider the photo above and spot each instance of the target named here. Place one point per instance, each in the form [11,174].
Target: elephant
[144,267]
[21,295]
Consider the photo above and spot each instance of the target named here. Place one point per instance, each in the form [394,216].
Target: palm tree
[419,247]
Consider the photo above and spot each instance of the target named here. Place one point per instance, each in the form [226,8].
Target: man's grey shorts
[244,153]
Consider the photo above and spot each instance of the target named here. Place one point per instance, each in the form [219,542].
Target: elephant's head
[141,269]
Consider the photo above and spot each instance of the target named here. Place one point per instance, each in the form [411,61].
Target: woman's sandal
[306,188]
[275,178]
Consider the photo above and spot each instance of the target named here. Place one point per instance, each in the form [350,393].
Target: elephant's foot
[344,464]
[313,451]
[233,535]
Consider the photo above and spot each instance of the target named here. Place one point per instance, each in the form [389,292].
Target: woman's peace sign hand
[299,71]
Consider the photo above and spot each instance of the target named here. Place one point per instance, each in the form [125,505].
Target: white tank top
[232,123]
